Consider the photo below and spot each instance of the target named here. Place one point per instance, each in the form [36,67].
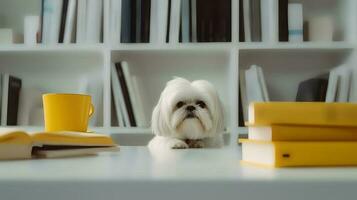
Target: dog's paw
[195,143]
[178,144]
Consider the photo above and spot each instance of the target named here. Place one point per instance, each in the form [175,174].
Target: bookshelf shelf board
[297,46]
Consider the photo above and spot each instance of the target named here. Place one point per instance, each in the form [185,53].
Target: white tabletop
[137,173]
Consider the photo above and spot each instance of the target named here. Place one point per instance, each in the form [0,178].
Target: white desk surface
[137,173]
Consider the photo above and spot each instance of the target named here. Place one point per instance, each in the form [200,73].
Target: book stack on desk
[289,134]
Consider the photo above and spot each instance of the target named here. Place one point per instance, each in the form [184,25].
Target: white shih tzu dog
[188,115]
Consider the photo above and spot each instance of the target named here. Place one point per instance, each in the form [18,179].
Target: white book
[246,15]
[69,29]
[154,21]
[163,8]
[29,100]
[295,22]
[264,19]
[139,102]
[81,21]
[174,21]
[344,83]
[262,83]
[31,28]
[94,21]
[52,10]
[115,21]
[106,21]
[194,20]
[132,96]
[119,102]
[332,87]
[4,98]
[185,20]
[254,88]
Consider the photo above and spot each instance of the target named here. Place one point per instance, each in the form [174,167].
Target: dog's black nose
[190,108]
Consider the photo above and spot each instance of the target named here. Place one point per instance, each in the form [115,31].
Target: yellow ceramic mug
[67,112]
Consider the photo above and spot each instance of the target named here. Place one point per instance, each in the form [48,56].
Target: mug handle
[91,110]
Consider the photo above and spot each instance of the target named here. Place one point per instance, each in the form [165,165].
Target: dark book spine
[13,100]
[241,115]
[63,21]
[283,21]
[133,38]
[168,21]
[39,37]
[126,21]
[241,22]
[190,17]
[145,21]
[255,16]
[138,20]
[312,90]
[113,112]
[125,91]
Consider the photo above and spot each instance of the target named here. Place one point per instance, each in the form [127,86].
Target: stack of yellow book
[288,134]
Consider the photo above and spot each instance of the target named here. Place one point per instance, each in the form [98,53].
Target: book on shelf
[256,89]
[185,21]
[145,21]
[81,21]
[63,20]
[10,94]
[17,144]
[94,21]
[313,89]
[294,154]
[283,20]
[69,28]
[302,113]
[277,132]
[51,21]
[247,24]
[128,11]
[255,19]
[119,103]
[175,8]
[295,22]
[30,112]
[241,22]
[115,21]
[31,29]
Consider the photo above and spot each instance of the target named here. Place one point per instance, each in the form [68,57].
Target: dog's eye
[180,104]
[201,104]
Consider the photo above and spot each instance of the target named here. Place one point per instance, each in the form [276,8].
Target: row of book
[254,22]
[127,105]
[293,134]
[132,21]
[332,87]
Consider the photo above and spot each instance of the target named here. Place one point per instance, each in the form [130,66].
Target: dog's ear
[158,122]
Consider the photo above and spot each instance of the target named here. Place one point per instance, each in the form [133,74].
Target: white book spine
[295,22]
[162,20]
[154,21]
[69,27]
[263,84]
[331,87]
[115,21]
[106,21]
[46,20]
[94,20]
[55,21]
[194,20]
[132,95]
[119,97]
[4,98]
[139,103]
[185,20]
[246,14]
[31,28]
[175,21]
[81,21]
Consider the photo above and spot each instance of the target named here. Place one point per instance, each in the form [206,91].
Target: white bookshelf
[59,68]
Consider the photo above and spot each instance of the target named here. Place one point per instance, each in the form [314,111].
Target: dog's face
[188,110]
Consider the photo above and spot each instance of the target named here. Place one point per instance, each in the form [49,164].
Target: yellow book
[303,113]
[17,144]
[294,154]
[302,133]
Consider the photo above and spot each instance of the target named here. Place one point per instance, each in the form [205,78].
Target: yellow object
[303,113]
[16,144]
[302,133]
[67,112]
[292,154]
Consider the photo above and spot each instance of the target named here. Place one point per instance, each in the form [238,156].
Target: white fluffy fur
[170,123]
